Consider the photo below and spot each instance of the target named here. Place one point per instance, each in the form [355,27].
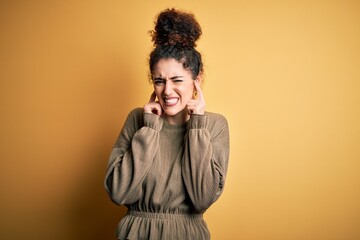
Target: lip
[171,101]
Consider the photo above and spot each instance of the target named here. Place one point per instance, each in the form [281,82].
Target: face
[173,85]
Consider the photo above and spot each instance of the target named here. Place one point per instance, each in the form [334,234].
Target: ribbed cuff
[198,121]
[153,121]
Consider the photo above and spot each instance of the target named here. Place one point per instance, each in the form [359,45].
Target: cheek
[158,92]
[188,92]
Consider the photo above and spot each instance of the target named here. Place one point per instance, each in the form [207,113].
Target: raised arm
[205,159]
[132,156]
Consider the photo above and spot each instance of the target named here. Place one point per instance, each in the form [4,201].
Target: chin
[172,112]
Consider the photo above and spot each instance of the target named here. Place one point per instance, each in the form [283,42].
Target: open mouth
[169,102]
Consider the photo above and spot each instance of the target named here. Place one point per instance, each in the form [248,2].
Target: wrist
[153,121]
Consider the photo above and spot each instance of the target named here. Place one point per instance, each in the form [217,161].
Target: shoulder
[218,128]
[135,118]
[136,112]
[132,123]
[217,119]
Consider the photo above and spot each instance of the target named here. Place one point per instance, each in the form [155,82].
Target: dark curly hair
[174,37]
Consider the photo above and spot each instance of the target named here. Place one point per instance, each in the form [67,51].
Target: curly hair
[175,36]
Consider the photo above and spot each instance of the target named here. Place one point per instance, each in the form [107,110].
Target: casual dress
[167,175]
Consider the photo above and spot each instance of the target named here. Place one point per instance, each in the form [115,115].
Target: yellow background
[286,74]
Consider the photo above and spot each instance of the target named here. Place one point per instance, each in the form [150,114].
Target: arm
[132,156]
[205,159]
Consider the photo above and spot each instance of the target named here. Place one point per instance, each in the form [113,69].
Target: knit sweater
[167,175]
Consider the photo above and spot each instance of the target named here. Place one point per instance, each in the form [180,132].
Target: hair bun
[176,28]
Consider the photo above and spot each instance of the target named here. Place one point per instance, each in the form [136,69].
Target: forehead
[170,67]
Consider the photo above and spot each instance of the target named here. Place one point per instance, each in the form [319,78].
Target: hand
[197,106]
[153,106]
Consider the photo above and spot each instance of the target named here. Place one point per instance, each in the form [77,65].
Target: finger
[191,106]
[158,109]
[152,107]
[148,108]
[199,91]
[190,109]
[191,102]
[152,97]
[196,107]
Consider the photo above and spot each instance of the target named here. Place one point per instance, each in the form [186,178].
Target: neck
[178,119]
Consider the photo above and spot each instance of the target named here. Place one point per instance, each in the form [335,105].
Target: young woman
[169,163]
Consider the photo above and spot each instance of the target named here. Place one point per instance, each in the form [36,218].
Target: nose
[168,88]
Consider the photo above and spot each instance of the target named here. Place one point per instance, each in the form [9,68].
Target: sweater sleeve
[132,156]
[205,159]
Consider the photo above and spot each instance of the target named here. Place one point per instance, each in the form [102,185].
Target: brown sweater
[167,175]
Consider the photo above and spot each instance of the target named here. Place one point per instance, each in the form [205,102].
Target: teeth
[171,101]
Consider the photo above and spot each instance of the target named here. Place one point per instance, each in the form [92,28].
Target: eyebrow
[176,77]
[172,78]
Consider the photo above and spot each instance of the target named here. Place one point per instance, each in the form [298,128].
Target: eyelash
[158,82]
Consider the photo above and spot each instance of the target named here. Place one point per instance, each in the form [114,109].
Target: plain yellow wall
[286,74]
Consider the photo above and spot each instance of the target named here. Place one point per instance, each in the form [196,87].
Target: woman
[169,162]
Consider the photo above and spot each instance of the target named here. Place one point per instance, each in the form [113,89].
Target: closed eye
[158,81]
[161,81]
